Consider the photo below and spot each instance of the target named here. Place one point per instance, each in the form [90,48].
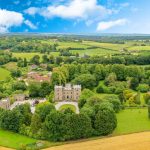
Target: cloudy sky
[75,16]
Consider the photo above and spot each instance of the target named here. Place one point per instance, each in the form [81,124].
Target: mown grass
[72,107]
[132,120]
[13,140]
[4,74]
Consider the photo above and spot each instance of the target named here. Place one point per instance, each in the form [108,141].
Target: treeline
[121,59]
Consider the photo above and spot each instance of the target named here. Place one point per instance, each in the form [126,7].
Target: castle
[5,103]
[67,93]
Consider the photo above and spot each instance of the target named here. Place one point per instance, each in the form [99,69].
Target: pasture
[4,74]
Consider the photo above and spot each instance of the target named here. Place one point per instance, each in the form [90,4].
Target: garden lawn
[132,120]
[13,140]
[4,74]
[72,107]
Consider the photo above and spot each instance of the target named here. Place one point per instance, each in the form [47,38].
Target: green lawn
[4,74]
[72,107]
[132,120]
[13,140]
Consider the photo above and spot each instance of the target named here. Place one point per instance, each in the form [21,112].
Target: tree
[36,60]
[45,89]
[16,73]
[34,90]
[44,109]
[105,121]
[86,80]
[93,100]
[25,111]
[54,126]
[134,83]
[86,93]
[11,120]
[147,97]
[36,124]
[19,85]
[143,88]
[114,100]
[110,79]
[45,59]
[77,126]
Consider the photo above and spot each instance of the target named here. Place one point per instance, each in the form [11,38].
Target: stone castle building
[5,103]
[67,93]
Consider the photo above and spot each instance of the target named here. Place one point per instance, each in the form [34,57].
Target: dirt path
[136,141]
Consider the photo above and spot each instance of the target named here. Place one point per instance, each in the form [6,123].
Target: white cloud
[75,9]
[32,11]
[9,19]
[30,24]
[107,25]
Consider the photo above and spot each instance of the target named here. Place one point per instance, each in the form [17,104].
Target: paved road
[59,104]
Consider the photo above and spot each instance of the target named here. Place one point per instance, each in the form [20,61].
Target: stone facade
[67,93]
[20,97]
[5,103]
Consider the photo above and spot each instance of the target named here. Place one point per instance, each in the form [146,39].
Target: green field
[28,56]
[139,48]
[132,120]
[94,52]
[72,107]
[13,140]
[105,45]
[4,74]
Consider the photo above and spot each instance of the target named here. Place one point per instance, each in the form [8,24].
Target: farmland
[134,141]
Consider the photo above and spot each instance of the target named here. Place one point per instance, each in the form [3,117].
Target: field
[28,56]
[4,74]
[132,120]
[139,48]
[9,139]
[136,141]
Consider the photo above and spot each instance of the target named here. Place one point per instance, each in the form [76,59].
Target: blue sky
[75,16]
